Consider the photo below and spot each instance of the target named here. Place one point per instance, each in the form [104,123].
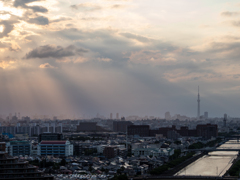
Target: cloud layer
[52,51]
[119,56]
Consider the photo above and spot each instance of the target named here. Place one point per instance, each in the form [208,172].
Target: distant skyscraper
[225,116]
[198,100]
[111,116]
[225,120]
[206,115]
[117,116]
[167,116]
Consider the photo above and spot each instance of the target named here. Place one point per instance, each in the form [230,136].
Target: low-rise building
[110,152]
[153,152]
[50,137]
[55,148]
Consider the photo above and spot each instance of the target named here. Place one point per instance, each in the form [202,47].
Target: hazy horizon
[127,56]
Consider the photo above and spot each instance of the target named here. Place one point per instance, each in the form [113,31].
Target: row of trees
[176,161]
[200,145]
[235,169]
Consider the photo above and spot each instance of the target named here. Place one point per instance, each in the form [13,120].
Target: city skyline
[168,116]
[125,56]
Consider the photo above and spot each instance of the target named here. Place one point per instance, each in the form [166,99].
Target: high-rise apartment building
[225,120]
[207,131]
[140,130]
[50,137]
[167,116]
[87,126]
[206,115]
[121,126]
[12,168]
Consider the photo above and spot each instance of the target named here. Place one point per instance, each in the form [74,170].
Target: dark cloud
[118,6]
[23,4]
[74,6]
[94,7]
[52,51]
[8,26]
[32,11]
[230,14]
[86,7]
[236,23]
[111,44]
[230,49]
[136,37]
[38,9]
[61,19]
[91,19]
[96,18]
[40,20]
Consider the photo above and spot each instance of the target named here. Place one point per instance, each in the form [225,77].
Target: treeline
[235,169]
[200,145]
[227,134]
[197,145]
[177,153]
[161,169]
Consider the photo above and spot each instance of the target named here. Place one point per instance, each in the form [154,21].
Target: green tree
[120,177]
[90,168]
[63,162]
[177,142]
[102,169]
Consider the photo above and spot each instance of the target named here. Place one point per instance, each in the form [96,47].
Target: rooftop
[53,142]
[18,142]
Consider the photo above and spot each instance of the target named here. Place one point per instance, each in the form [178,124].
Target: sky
[132,57]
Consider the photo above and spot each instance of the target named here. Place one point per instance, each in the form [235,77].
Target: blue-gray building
[17,148]
[55,148]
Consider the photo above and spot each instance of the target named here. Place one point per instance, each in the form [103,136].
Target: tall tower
[198,100]
[225,120]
